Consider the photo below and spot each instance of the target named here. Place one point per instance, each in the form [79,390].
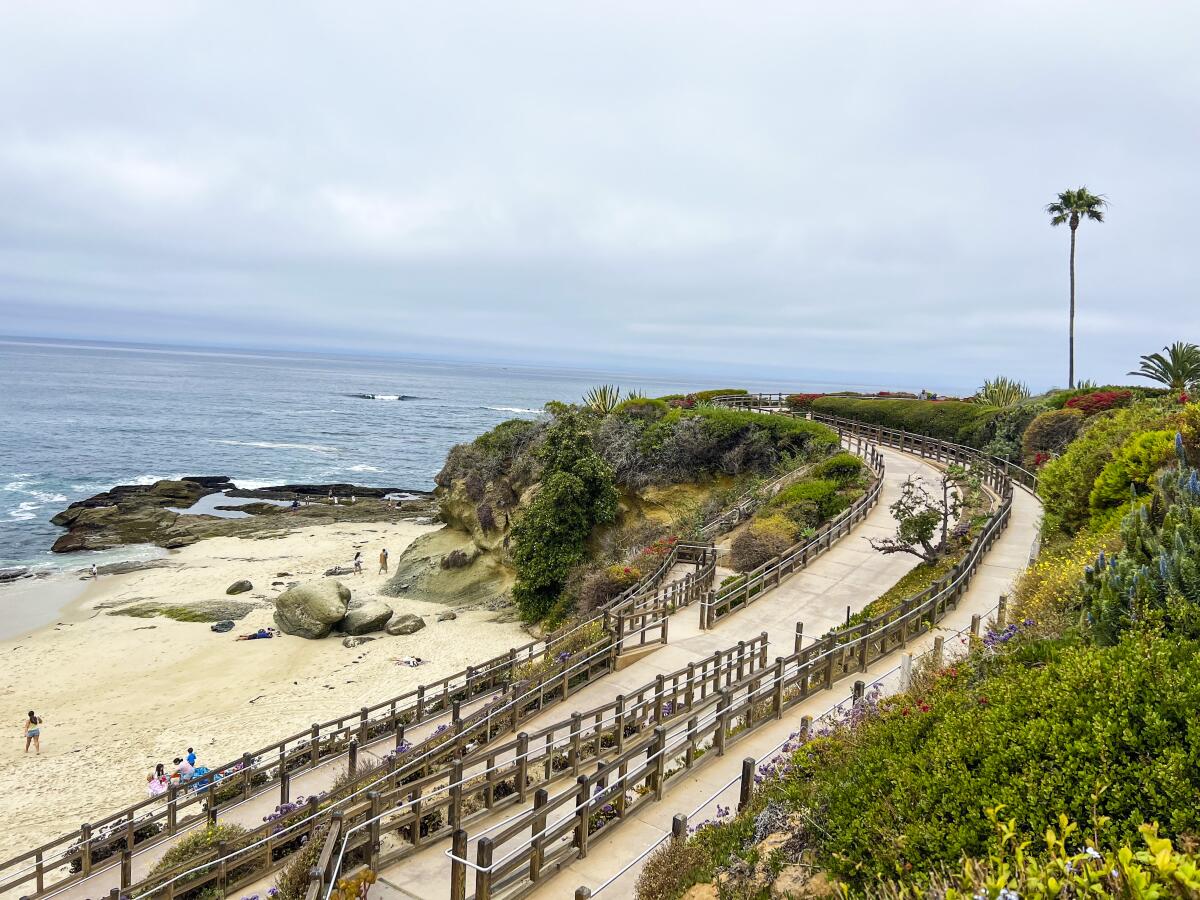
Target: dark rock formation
[12,574]
[158,513]
[239,587]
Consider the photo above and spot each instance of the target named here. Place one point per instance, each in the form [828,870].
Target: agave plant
[602,399]
[1001,391]
[1179,370]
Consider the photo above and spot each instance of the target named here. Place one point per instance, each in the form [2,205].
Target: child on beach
[191,758]
[358,563]
[33,733]
[183,769]
[383,558]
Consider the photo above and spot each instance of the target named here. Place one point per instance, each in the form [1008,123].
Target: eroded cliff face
[466,563]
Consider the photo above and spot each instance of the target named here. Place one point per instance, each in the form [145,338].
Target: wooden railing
[510,862]
[420,801]
[774,571]
[632,619]
[892,437]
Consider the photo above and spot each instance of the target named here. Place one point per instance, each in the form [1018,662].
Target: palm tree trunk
[1071,339]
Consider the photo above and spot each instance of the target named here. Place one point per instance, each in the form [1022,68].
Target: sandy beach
[119,693]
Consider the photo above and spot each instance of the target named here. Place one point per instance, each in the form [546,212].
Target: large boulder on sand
[366,617]
[240,587]
[405,624]
[311,610]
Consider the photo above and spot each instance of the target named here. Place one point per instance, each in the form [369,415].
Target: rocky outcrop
[158,513]
[239,587]
[366,617]
[311,610]
[405,624]
[12,574]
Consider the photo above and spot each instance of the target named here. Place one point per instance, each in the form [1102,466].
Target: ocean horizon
[83,417]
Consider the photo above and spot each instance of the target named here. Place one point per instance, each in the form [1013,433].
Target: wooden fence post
[172,811]
[247,775]
[777,693]
[722,723]
[314,745]
[1002,611]
[285,785]
[522,775]
[362,726]
[456,793]
[352,757]
[805,727]
[458,870]
[660,760]
[483,874]
[583,892]
[937,652]
[860,690]
[799,637]
[975,625]
[679,826]
[746,789]
[582,804]
[373,830]
[905,671]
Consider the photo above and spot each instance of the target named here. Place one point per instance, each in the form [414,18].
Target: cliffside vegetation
[1058,758]
[561,510]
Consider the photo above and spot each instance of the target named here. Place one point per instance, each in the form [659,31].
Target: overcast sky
[796,189]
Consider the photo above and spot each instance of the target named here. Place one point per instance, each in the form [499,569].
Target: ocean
[81,418]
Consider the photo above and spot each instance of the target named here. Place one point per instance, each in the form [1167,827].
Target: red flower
[1099,401]
[1184,398]
[983,701]
[904,712]
[924,707]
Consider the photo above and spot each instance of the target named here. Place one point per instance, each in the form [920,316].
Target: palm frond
[1179,370]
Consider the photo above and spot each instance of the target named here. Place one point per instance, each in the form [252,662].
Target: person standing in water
[94,572]
[33,733]
[383,558]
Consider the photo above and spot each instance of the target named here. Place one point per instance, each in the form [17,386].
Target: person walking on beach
[358,563]
[33,733]
[383,558]
[94,573]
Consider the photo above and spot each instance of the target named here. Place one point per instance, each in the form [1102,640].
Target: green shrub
[1091,730]
[972,424]
[577,493]
[844,468]
[798,500]
[1131,468]
[642,408]
[1049,434]
[1065,484]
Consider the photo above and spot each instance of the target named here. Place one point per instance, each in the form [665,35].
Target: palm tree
[1179,370]
[1071,208]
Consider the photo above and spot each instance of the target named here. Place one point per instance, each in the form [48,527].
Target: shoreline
[120,693]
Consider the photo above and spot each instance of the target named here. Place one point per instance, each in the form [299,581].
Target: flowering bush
[1099,401]
[797,402]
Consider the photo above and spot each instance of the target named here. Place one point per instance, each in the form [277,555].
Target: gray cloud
[786,189]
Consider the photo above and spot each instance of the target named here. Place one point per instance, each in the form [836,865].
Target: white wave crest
[514,409]
[271,445]
[364,468]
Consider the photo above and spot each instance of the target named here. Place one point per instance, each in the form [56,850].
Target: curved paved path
[609,852]
[849,574]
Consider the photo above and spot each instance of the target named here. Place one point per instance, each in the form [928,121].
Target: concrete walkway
[611,851]
[849,574]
